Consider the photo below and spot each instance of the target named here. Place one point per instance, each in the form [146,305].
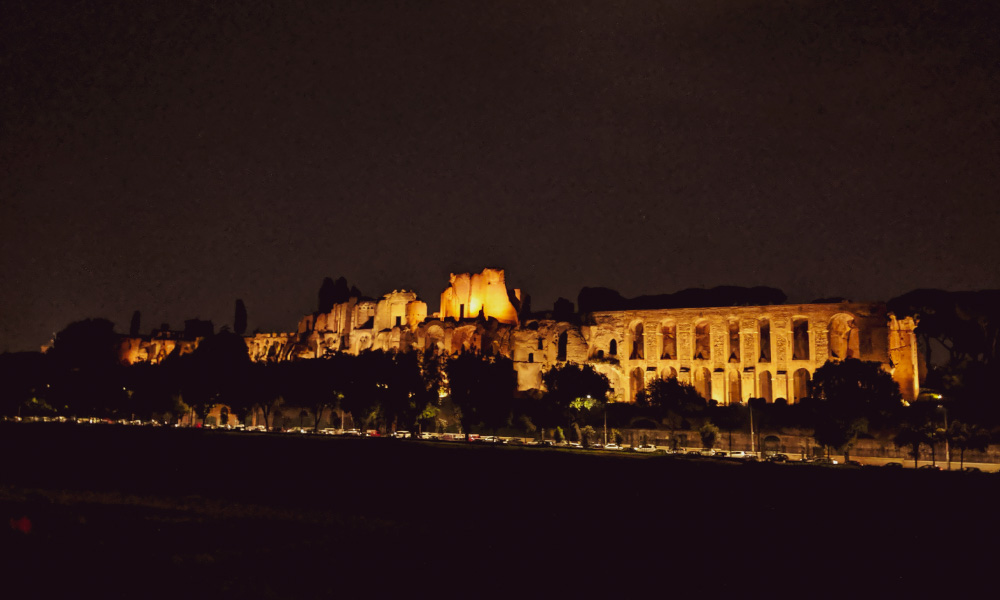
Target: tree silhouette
[967,437]
[240,318]
[482,388]
[133,328]
[911,437]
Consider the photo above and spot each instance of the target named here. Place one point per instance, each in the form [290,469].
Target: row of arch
[701,379]
[843,340]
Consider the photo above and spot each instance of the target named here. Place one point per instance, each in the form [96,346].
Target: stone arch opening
[668,345]
[435,338]
[764,327]
[613,348]
[638,342]
[735,388]
[844,338]
[637,382]
[800,384]
[703,383]
[734,341]
[561,348]
[668,373]
[766,391]
[702,341]
[800,338]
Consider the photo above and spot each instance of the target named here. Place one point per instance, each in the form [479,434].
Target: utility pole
[947,447]
[753,446]
[605,421]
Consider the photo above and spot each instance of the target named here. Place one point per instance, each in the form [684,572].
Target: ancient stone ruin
[729,354]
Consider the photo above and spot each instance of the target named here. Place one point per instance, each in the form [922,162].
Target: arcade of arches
[729,354]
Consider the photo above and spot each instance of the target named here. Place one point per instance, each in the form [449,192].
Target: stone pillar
[779,386]
[749,385]
[781,335]
[684,348]
[719,384]
[819,338]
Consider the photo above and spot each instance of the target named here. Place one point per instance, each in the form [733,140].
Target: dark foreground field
[142,512]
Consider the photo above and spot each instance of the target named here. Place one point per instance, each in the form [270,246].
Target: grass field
[142,511]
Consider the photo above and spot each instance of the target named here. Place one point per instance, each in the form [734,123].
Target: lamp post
[947,447]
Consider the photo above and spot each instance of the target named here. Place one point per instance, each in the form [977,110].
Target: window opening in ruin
[668,373]
[735,388]
[669,351]
[800,339]
[844,339]
[561,352]
[702,342]
[638,343]
[765,341]
[600,354]
[399,321]
[734,341]
[461,312]
[638,382]
[765,386]
[800,383]
[540,347]
[613,348]
[531,357]
[703,383]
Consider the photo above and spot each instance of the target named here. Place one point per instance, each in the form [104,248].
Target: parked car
[646,448]
[706,452]
[825,461]
[612,446]
[739,454]
[351,432]
[399,435]
[575,445]
[929,468]
[971,470]
[893,465]
[329,431]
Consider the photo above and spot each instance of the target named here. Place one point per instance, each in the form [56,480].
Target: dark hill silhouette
[601,298]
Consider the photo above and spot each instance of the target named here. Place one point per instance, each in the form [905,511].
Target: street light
[947,448]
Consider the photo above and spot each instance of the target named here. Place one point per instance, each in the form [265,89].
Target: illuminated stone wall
[725,354]
[729,354]
[470,295]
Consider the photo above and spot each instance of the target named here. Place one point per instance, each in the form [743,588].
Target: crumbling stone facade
[729,354]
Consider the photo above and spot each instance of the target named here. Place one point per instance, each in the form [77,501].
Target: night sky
[172,157]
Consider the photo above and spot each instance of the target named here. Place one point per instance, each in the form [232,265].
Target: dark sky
[172,157]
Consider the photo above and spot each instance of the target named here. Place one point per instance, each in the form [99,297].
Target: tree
[23,381]
[672,401]
[214,373]
[967,437]
[730,418]
[482,388]
[263,390]
[911,437]
[840,434]
[334,292]
[571,391]
[133,328]
[709,435]
[85,375]
[857,389]
[240,318]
